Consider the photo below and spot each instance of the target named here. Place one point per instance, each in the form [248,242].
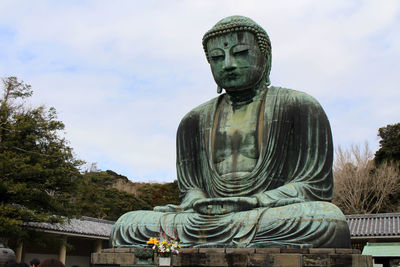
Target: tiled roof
[374,225]
[84,226]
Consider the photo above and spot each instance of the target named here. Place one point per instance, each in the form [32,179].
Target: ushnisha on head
[235,24]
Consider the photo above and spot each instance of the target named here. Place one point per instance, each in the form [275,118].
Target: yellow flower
[164,242]
[152,241]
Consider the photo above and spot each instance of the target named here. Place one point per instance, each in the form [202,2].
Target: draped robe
[292,181]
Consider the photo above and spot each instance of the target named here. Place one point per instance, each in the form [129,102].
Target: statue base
[273,257]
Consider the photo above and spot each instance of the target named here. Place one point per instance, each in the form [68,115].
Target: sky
[122,74]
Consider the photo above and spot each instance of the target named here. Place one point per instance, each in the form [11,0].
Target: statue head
[239,53]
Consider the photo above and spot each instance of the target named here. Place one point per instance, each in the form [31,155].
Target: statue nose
[229,63]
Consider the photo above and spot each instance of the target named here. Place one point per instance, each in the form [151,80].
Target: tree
[96,197]
[38,171]
[160,194]
[362,187]
[389,144]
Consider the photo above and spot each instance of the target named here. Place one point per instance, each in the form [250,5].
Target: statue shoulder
[200,110]
[192,118]
[294,97]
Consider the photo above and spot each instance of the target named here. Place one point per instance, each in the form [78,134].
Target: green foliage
[160,194]
[389,153]
[38,171]
[389,144]
[39,175]
[96,197]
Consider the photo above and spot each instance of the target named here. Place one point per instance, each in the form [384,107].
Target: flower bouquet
[165,248]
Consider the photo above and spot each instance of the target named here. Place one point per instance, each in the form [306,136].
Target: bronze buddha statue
[254,164]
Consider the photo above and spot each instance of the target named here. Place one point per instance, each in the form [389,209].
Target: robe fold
[292,181]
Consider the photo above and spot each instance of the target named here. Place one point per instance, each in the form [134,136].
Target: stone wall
[274,257]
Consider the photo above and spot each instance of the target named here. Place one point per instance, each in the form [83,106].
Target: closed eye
[217,54]
[240,50]
[217,57]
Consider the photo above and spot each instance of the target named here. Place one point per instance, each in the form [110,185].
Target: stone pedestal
[273,257]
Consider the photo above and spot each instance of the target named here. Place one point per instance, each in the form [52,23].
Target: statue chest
[235,140]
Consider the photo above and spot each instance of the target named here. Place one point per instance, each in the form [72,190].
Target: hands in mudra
[213,206]
[217,206]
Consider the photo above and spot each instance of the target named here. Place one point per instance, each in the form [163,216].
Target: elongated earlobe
[219,89]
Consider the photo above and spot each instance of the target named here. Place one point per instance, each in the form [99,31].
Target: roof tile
[381,224]
[84,226]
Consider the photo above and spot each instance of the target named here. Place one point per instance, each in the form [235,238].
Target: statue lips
[230,76]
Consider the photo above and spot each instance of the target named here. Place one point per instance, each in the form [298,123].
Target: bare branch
[360,186]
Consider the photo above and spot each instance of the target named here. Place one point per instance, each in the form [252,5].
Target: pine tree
[389,144]
[38,171]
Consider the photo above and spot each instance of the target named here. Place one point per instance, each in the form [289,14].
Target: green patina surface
[254,164]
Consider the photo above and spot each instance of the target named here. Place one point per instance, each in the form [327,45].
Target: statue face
[236,61]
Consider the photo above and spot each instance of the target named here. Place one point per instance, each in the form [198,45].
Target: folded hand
[217,206]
